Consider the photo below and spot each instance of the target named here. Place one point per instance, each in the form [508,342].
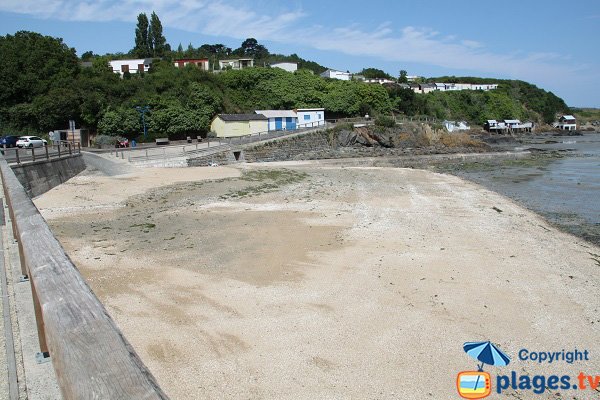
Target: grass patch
[143,226]
[280,176]
[595,258]
[265,181]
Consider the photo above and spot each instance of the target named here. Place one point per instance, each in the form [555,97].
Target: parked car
[31,141]
[8,141]
[122,143]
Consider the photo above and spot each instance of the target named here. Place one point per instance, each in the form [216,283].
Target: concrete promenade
[4,382]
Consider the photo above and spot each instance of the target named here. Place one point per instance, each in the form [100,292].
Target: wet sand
[298,280]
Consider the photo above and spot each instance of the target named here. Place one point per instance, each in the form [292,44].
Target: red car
[122,143]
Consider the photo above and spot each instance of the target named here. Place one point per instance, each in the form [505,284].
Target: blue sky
[553,44]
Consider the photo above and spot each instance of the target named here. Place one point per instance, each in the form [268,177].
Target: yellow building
[233,125]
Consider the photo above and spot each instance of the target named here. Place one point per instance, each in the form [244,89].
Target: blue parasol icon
[487,353]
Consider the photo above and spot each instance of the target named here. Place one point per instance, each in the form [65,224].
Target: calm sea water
[566,190]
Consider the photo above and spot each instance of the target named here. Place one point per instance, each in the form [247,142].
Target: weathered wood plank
[90,355]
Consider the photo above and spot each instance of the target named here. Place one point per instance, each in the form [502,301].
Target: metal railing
[398,119]
[209,146]
[22,155]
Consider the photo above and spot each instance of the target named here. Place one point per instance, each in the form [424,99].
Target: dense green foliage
[37,74]
[533,101]
[374,73]
[182,101]
[512,100]
[43,86]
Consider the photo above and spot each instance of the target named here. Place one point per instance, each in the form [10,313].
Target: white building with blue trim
[310,117]
[280,120]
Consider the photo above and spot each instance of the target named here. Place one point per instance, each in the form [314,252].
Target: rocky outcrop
[345,142]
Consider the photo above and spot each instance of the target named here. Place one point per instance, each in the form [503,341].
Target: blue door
[278,123]
[290,123]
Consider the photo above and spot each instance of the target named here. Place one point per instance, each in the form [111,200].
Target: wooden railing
[90,355]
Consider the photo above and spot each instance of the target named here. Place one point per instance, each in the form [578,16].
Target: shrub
[385,121]
[459,140]
[106,140]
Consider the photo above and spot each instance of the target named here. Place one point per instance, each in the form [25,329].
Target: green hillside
[512,99]
[38,97]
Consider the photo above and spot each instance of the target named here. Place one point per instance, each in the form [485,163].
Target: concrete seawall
[316,146]
[40,176]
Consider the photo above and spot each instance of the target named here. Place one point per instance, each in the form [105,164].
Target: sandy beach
[315,281]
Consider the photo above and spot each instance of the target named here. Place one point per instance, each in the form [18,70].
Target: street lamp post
[143,110]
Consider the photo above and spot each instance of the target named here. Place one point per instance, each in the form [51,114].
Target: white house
[201,63]
[427,87]
[567,123]
[508,125]
[381,81]
[484,86]
[131,66]
[237,63]
[309,117]
[286,66]
[452,126]
[512,123]
[491,125]
[440,86]
[335,74]
[280,120]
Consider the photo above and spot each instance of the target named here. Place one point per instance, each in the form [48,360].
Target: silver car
[31,141]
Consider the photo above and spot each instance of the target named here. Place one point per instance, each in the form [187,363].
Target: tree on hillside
[155,34]
[403,77]
[23,79]
[219,50]
[88,56]
[374,73]
[149,38]
[142,41]
[251,48]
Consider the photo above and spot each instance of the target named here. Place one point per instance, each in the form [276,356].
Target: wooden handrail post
[24,270]
[39,320]
[47,155]
[70,149]
[32,153]
[58,149]
[17,155]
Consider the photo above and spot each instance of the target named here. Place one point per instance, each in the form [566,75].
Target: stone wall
[223,158]
[300,147]
[316,146]
[40,176]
